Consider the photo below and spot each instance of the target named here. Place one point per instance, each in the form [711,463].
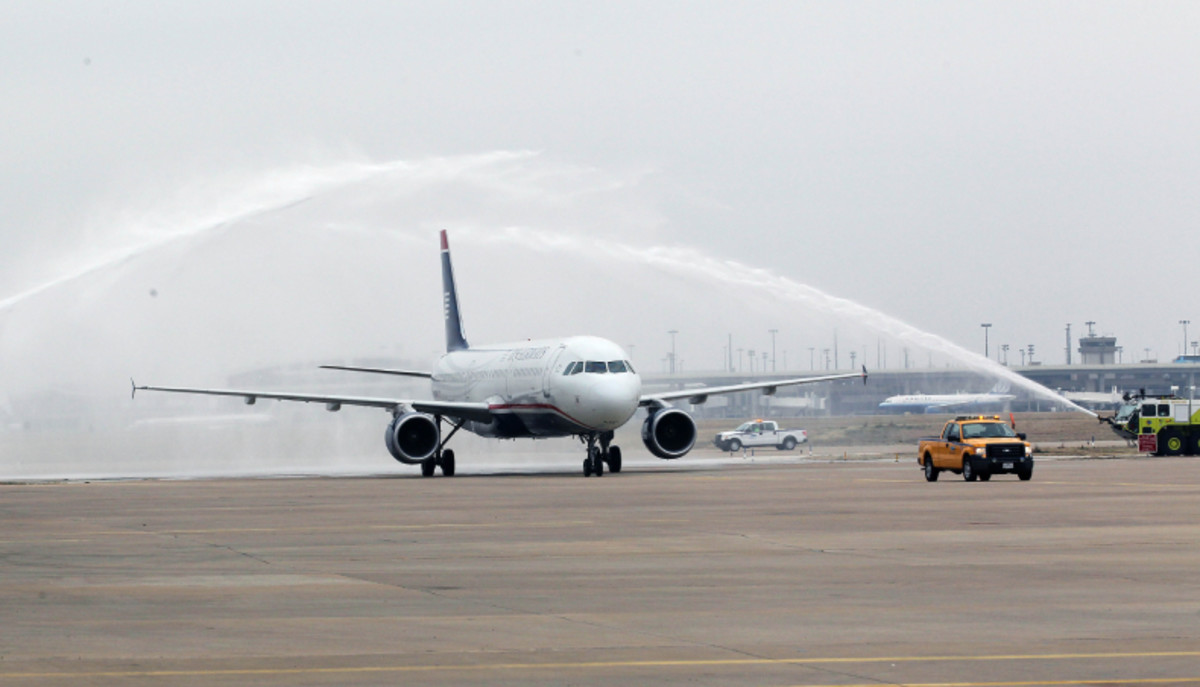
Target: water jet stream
[694,264]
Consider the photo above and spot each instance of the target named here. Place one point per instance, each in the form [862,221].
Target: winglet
[864,374]
[133,384]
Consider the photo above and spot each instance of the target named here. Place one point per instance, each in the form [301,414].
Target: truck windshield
[981,430]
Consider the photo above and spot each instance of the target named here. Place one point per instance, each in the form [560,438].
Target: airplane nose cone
[611,401]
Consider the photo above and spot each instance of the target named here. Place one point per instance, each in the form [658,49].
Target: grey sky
[1028,164]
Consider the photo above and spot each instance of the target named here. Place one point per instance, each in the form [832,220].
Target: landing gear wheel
[587,467]
[614,459]
[428,466]
[597,462]
[969,473]
[931,473]
[447,463]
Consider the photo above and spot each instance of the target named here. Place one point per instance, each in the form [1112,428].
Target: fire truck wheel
[1172,442]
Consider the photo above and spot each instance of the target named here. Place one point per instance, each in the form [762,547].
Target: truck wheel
[1170,442]
[1025,473]
[984,475]
[968,469]
[735,445]
[931,473]
[788,444]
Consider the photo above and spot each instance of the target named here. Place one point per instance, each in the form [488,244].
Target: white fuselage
[545,388]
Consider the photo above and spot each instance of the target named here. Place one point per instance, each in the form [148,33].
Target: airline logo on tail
[456,340]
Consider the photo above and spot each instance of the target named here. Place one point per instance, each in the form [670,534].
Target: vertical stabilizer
[455,339]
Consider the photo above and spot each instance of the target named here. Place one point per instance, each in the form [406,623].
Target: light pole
[811,364]
[986,326]
[1185,323]
[673,332]
[1004,347]
[776,331]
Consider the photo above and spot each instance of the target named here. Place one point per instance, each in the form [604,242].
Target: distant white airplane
[580,386]
[936,403]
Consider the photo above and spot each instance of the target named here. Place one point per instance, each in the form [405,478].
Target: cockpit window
[596,367]
[574,368]
[630,366]
[617,366]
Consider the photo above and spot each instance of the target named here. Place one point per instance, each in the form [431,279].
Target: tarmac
[700,572]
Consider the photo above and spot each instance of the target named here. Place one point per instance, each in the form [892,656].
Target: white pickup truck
[760,433]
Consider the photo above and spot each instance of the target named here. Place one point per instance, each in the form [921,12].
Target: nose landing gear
[598,456]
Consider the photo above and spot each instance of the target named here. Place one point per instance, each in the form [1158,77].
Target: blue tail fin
[455,339]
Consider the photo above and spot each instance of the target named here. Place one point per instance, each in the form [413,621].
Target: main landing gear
[441,458]
[597,456]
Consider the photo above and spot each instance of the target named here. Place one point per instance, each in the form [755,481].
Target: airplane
[582,386]
[936,403]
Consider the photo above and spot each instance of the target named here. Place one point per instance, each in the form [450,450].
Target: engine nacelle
[412,437]
[669,433]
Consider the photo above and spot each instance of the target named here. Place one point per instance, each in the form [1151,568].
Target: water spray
[694,264]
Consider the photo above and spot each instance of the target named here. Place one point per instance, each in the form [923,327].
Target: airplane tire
[597,462]
[448,463]
[614,459]
[587,467]
[427,467]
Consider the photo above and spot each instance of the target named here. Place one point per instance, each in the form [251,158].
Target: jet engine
[412,437]
[669,433]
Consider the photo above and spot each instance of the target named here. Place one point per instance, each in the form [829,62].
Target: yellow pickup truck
[976,447]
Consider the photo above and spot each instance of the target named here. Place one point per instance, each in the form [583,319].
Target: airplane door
[553,368]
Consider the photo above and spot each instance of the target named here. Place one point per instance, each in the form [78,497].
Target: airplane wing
[699,395]
[467,411]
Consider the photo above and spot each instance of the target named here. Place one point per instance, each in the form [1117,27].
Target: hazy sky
[1027,164]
